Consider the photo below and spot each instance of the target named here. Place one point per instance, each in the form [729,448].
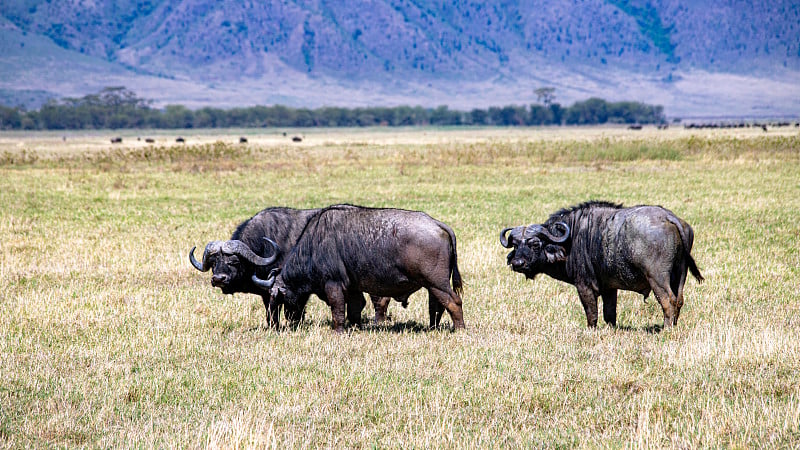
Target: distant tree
[304,118]
[177,116]
[592,111]
[407,116]
[210,118]
[118,107]
[635,112]
[10,118]
[540,115]
[334,117]
[557,112]
[444,116]
[513,115]
[545,95]
[479,116]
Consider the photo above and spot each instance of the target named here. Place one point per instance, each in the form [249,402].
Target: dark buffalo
[347,250]
[600,247]
[116,140]
[242,263]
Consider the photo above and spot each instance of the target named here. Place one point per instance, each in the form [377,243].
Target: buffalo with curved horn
[600,247]
[243,263]
[520,233]
[346,250]
[238,249]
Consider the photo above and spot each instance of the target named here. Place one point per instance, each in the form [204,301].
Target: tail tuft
[458,285]
[693,268]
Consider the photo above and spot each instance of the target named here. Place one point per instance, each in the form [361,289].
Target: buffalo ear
[278,288]
[555,253]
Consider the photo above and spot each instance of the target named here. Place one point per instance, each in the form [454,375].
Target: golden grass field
[110,338]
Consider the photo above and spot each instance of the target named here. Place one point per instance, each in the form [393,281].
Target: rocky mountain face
[407,50]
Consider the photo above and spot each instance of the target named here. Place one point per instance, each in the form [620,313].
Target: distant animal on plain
[297,139]
[180,140]
[150,140]
[116,140]
[243,140]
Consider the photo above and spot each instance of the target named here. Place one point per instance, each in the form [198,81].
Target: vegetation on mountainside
[649,22]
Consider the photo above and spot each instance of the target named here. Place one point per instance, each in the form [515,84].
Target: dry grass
[109,338]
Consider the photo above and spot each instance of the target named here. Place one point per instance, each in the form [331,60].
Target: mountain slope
[417,51]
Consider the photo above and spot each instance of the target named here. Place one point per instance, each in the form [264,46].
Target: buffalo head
[234,265]
[535,247]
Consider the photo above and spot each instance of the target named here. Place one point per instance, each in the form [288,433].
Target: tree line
[120,108]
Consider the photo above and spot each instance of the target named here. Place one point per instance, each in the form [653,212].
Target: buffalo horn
[266,284]
[503,239]
[536,229]
[263,284]
[516,235]
[194,261]
[212,247]
[564,232]
[241,249]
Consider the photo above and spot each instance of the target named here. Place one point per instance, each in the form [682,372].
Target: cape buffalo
[600,247]
[242,263]
[346,250]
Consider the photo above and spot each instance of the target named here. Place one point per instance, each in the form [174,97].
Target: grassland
[109,338]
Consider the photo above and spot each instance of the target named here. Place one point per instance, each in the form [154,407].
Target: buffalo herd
[341,252]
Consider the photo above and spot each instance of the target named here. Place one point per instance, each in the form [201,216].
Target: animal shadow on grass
[410,326]
[649,329]
[366,327]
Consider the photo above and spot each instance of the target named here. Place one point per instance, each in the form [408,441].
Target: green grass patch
[109,338]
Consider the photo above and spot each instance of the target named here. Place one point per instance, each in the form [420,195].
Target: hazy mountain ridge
[423,42]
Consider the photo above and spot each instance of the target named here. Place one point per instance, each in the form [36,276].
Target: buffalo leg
[435,310]
[610,306]
[336,300]
[355,304]
[381,305]
[451,302]
[667,300]
[589,301]
[677,283]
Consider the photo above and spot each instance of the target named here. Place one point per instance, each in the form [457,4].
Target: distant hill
[695,58]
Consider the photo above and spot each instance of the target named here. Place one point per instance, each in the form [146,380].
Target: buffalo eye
[534,243]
